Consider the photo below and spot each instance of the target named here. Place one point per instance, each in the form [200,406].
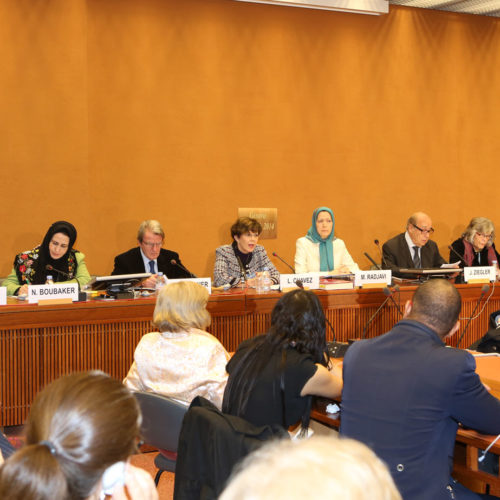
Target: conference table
[38,343]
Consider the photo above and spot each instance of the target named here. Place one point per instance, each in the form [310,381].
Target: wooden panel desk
[469,443]
[40,343]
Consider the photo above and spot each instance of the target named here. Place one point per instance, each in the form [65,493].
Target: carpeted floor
[166,485]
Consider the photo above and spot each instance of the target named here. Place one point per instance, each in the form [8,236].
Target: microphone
[372,261]
[457,254]
[380,252]
[388,294]
[48,267]
[396,289]
[484,289]
[180,266]
[284,262]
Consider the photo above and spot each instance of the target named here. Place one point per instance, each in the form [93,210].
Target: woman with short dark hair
[272,376]
[244,258]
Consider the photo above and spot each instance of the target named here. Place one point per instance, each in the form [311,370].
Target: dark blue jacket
[404,394]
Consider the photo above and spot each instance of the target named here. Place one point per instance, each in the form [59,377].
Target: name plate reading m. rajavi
[60,291]
[373,278]
[3,295]
[206,282]
[479,274]
[309,281]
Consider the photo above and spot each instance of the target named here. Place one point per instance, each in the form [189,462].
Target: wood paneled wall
[114,111]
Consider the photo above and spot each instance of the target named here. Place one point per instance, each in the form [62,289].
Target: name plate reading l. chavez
[56,291]
[206,282]
[309,280]
[3,295]
[372,277]
[480,273]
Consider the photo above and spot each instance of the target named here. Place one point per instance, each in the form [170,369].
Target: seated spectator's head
[326,467]
[181,306]
[78,426]
[298,319]
[436,304]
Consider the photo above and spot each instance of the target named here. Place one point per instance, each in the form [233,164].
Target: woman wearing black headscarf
[55,257]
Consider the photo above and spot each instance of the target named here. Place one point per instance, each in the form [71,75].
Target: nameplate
[206,282]
[3,295]
[309,280]
[374,277]
[482,273]
[56,291]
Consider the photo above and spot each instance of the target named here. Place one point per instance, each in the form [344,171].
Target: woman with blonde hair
[181,360]
[476,246]
[79,426]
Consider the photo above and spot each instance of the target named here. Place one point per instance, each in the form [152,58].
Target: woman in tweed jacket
[243,259]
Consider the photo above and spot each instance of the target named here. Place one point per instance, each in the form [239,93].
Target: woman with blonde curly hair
[181,360]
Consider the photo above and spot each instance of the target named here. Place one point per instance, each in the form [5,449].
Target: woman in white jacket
[320,250]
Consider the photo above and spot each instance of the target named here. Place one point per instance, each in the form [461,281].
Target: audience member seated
[240,262]
[405,393]
[413,249]
[150,257]
[475,247]
[272,376]
[79,426]
[181,360]
[341,468]
[6,449]
[55,257]
[320,250]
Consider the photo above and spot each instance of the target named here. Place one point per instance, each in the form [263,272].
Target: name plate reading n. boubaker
[50,292]
[309,281]
[3,295]
[206,282]
[479,274]
[363,278]
[267,217]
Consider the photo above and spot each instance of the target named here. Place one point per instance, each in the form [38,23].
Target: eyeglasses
[424,231]
[152,245]
[485,236]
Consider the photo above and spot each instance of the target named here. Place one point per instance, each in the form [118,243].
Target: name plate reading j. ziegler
[309,280]
[206,282]
[57,291]
[3,295]
[480,273]
[372,277]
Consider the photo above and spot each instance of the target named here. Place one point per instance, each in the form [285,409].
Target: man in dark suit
[414,248]
[405,393]
[150,257]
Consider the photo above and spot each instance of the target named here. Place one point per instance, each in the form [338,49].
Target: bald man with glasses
[413,248]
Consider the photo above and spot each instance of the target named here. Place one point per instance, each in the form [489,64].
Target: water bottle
[161,281]
[259,283]
[495,265]
[49,280]
[265,277]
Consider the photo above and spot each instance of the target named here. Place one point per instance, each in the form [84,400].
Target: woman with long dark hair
[55,257]
[272,377]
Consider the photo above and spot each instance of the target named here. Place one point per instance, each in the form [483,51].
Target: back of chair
[161,420]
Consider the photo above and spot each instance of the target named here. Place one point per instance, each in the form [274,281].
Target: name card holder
[63,293]
[373,279]
[3,295]
[206,282]
[309,280]
[480,274]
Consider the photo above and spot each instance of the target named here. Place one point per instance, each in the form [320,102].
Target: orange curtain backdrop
[114,111]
